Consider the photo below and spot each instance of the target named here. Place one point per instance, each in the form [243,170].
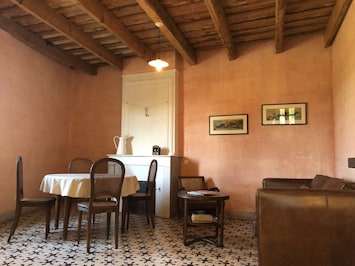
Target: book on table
[202,192]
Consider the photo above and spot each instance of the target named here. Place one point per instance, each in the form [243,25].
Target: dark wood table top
[203,195]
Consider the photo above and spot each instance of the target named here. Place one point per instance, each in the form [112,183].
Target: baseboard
[240,215]
[8,216]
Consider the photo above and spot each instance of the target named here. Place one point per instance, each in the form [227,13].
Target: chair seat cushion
[139,195]
[37,201]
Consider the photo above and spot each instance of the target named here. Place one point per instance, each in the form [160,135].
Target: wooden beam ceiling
[55,20]
[45,48]
[336,18]
[86,34]
[218,16]
[102,15]
[156,13]
[280,10]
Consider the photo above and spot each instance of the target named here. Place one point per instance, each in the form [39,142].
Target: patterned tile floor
[141,245]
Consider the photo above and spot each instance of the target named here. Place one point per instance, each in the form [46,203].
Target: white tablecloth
[78,185]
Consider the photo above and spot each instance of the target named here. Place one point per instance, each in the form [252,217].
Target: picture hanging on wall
[284,114]
[228,124]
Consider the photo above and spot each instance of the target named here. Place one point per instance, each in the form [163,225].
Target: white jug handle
[116,139]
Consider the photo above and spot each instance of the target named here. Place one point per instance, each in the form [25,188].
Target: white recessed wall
[148,111]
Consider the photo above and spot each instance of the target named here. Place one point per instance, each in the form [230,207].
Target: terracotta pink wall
[95,113]
[238,163]
[344,95]
[34,117]
[216,86]
[73,114]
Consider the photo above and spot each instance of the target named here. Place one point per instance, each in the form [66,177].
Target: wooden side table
[218,222]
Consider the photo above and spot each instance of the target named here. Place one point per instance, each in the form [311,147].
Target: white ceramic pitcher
[121,144]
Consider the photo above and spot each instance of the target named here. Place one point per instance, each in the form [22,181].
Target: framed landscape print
[284,114]
[228,124]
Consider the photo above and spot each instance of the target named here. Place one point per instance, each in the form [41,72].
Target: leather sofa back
[301,227]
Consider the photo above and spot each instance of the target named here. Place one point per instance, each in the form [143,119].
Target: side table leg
[185,221]
[221,222]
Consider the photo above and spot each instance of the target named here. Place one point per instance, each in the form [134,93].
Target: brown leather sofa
[298,225]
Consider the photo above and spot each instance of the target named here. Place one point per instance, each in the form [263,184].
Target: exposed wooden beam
[280,10]
[43,47]
[55,20]
[156,13]
[218,16]
[104,17]
[336,19]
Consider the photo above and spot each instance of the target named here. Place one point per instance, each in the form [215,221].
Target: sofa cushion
[318,181]
[333,184]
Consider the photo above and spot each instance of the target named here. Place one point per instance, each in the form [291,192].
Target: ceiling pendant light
[157,62]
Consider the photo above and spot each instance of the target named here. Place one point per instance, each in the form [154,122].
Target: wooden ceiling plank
[105,18]
[43,47]
[280,10]
[336,19]
[218,16]
[45,13]
[156,13]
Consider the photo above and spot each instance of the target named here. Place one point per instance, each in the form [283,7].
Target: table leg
[67,208]
[124,214]
[57,210]
[221,223]
[185,221]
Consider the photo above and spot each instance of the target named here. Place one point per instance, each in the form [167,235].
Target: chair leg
[88,239]
[127,216]
[147,210]
[151,212]
[79,225]
[108,225]
[123,214]
[15,222]
[116,229]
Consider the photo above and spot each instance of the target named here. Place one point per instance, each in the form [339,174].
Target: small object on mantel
[156,150]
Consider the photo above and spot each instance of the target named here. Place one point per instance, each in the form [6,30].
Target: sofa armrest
[272,182]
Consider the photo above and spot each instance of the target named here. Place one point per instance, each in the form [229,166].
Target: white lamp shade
[158,64]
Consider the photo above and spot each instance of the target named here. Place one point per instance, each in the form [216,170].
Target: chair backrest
[106,180]
[189,183]
[19,179]
[152,174]
[79,165]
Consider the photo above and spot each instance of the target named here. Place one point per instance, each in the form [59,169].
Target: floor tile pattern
[141,245]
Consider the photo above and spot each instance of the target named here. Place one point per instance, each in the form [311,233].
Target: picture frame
[234,124]
[284,114]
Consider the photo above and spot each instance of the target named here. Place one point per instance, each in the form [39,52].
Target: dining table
[77,185]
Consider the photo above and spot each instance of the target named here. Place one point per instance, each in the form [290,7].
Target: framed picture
[228,124]
[284,114]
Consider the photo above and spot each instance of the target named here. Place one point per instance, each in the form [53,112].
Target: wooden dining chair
[106,183]
[43,202]
[76,165]
[147,196]
[79,165]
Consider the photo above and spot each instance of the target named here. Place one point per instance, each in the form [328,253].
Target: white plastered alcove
[149,111]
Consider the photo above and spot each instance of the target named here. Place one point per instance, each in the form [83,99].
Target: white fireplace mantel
[166,180]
